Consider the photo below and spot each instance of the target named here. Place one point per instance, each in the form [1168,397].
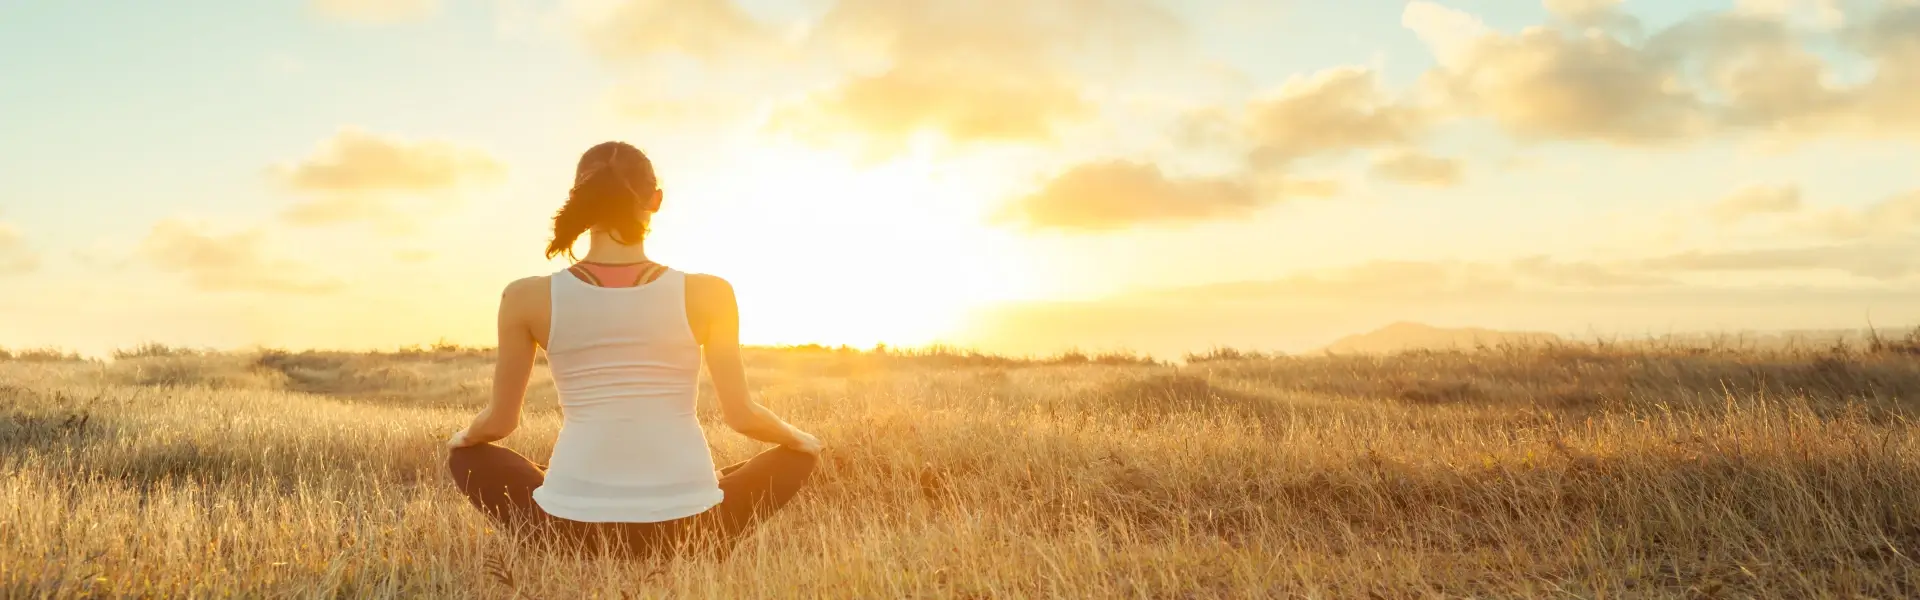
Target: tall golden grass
[1572,470]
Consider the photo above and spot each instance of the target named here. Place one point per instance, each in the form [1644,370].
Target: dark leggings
[500,483]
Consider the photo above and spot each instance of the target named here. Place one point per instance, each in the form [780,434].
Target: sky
[1020,176]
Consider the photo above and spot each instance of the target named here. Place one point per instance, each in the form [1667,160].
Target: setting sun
[824,250]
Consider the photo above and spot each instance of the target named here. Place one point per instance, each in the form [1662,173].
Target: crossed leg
[500,482]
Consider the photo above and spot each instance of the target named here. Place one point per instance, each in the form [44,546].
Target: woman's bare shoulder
[526,289]
[703,284]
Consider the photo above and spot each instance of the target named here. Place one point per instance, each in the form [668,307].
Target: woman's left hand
[459,440]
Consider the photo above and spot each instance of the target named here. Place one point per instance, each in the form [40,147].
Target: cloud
[1583,274]
[1864,260]
[893,107]
[1593,14]
[1890,38]
[1890,219]
[358,176]
[15,256]
[235,262]
[1330,112]
[1757,200]
[1377,280]
[1207,127]
[354,160]
[1895,216]
[1416,168]
[341,209]
[1118,194]
[631,30]
[984,71]
[1765,71]
[698,64]
[1826,14]
[1755,68]
[1547,83]
[1453,35]
[1396,280]
[1325,114]
[376,11]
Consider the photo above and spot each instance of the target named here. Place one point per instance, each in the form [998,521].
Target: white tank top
[627,368]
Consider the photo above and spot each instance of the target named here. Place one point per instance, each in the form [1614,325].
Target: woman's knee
[465,459]
[797,464]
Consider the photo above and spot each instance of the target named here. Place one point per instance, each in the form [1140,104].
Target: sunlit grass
[1510,472]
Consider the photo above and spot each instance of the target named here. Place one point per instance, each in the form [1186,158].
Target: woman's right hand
[803,441]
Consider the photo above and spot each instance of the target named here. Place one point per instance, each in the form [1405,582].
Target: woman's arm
[511,370]
[716,322]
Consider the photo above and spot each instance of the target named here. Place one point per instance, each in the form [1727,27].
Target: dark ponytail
[612,179]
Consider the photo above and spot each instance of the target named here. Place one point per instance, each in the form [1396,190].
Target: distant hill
[1400,337]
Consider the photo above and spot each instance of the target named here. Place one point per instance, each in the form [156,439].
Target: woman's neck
[601,248]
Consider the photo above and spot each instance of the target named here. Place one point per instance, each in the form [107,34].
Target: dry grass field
[1565,471]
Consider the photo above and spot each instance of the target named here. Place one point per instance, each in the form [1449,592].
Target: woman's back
[626,365]
[631,464]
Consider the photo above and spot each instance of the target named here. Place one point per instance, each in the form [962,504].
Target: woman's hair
[612,180]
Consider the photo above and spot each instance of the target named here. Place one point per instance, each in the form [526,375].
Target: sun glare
[823,250]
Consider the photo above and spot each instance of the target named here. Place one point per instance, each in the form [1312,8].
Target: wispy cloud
[228,262]
[1417,168]
[634,30]
[1116,194]
[1896,217]
[1593,14]
[1893,219]
[1399,279]
[1756,200]
[1874,261]
[16,257]
[359,176]
[355,160]
[993,70]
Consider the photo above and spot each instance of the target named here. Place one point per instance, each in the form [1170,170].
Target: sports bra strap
[598,274]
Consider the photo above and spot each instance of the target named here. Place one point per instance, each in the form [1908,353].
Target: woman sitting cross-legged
[625,338]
